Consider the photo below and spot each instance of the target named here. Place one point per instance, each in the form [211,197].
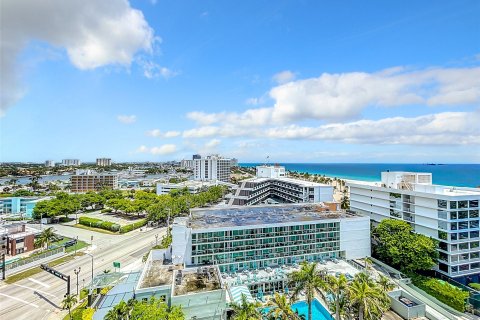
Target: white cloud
[127,119]
[162,150]
[212,143]
[152,70]
[447,128]
[159,134]
[341,97]
[93,34]
[283,77]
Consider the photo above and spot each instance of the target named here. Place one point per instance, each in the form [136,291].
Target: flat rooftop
[156,274]
[288,180]
[196,280]
[233,216]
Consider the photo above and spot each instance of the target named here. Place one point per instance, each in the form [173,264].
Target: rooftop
[196,280]
[288,180]
[233,216]
[156,274]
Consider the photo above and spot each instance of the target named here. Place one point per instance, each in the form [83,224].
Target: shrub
[442,291]
[98,223]
[133,226]
[475,286]
[106,210]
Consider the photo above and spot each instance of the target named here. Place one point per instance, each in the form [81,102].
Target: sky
[297,81]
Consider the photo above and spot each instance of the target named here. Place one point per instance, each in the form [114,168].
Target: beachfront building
[49,163]
[213,167]
[448,214]
[89,180]
[192,186]
[268,239]
[272,185]
[104,162]
[71,162]
[19,206]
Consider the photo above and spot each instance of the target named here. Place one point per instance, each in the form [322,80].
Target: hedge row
[133,226]
[98,223]
[442,291]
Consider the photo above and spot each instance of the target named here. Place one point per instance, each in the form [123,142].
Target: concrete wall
[355,237]
[404,311]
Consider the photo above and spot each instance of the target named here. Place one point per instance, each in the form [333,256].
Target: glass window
[454,247]
[474,255]
[443,256]
[441,204]
[454,236]
[463,235]
[442,214]
[462,214]
[464,267]
[475,265]
[453,226]
[443,246]
[442,235]
[443,267]
[473,213]
[464,256]
[454,269]
[474,224]
[463,225]
[474,244]
[442,225]
[453,215]
[474,234]
[473,203]
[463,246]
[462,204]
[453,204]
[454,258]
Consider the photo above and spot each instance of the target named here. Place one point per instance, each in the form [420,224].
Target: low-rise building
[272,185]
[192,186]
[88,180]
[104,162]
[445,213]
[21,206]
[17,238]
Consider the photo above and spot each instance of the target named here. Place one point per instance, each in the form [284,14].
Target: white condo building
[448,214]
[213,168]
[271,184]
[49,163]
[104,162]
[71,162]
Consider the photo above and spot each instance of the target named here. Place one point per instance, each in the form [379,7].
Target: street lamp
[77,271]
[88,254]
[76,242]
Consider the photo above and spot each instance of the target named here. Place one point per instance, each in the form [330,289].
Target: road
[40,296]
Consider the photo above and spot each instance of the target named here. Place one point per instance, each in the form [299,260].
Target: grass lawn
[30,272]
[80,245]
[81,226]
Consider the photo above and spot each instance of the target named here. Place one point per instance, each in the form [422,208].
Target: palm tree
[282,309]
[246,310]
[368,298]
[337,287]
[46,236]
[385,283]
[307,279]
[68,302]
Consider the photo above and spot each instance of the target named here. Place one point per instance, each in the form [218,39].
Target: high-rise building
[187,164]
[71,162]
[212,167]
[88,180]
[104,162]
[49,163]
[447,214]
[196,156]
[272,185]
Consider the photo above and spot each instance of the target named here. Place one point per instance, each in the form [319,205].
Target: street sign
[116,264]
[57,274]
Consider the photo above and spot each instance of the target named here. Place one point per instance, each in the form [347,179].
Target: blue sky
[300,81]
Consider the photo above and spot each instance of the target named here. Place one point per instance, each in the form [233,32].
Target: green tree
[282,308]
[307,279]
[246,310]
[68,302]
[396,244]
[46,237]
[337,288]
[367,298]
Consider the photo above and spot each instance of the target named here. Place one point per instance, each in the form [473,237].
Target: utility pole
[156,239]
[76,246]
[77,271]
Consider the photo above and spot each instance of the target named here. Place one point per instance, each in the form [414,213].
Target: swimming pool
[318,311]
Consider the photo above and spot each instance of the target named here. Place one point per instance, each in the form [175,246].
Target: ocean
[459,175]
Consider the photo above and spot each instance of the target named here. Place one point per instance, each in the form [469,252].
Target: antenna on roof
[267,161]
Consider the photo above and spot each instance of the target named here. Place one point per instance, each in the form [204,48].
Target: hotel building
[22,206]
[71,162]
[271,184]
[88,180]
[212,167]
[104,162]
[448,214]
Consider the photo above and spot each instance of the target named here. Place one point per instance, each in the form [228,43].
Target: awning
[237,292]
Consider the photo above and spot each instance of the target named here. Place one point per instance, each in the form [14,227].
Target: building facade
[192,186]
[71,162]
[237,238]
[22,206]
[17,238]
[49,163]
[447,214]
[92,181]
[213,168]
[187,164]
[271,184]
[104,162]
